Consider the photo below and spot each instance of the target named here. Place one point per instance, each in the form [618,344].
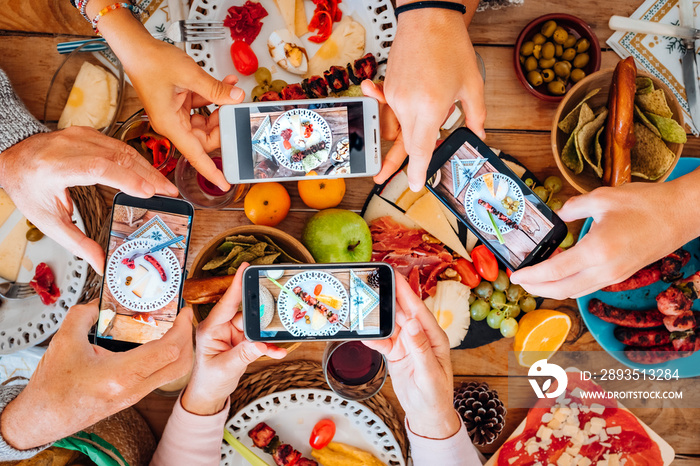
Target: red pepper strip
[159,148]
[324,23]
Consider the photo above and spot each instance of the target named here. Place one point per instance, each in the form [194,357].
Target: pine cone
[481,410]
[373,279]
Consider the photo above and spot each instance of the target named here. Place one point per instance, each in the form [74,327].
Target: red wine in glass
[206,185]
[354,364]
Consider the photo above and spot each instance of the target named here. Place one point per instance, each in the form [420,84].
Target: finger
[558,267]
[206,129]
[574,286]
[370,89]
[475,118]
[213,90]
[418,345]
[381,346]
[392,161]
[68,235]
[79,320]
[190,147]
[414,308]
[247,352]
[420,145]
[199,101]
[227,307]
[578,207]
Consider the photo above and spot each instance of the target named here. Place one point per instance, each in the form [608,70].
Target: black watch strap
[431,4]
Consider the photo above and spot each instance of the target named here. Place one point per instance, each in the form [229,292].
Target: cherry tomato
[318,289]
[485,263]
[509,272]
[322,434]
[243,57]
[467,272]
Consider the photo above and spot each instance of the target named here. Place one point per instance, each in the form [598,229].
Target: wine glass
[353,370]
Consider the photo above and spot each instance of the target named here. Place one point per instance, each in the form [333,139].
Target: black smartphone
[493,202]
[353,301]
[144,270]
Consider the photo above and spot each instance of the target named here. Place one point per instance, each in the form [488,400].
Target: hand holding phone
[301,302]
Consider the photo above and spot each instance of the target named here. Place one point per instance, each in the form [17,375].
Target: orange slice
[540,334]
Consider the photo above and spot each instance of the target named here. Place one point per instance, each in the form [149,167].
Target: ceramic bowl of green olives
[553,53]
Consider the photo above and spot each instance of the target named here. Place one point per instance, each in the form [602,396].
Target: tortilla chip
[225,247]
[644,85]
[249,255]
[598,148]
[651,158]
[247,239]
[654,102]
[639,116]
[668,128]
[266,260]
[570,155]
[222,260]
[569,122]
[285,256]
[584,141]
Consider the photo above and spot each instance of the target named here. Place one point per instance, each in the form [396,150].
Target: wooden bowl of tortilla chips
[289,248]
[578,131]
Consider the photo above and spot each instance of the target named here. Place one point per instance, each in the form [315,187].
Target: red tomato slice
[467,272]
[244,59]
[485,263]
[322,434]
[318,289]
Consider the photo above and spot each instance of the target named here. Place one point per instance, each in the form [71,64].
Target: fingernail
[412,327]
[514,278]
[237,93]
[414,186]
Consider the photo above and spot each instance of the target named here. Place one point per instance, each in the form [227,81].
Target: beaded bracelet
[431,4]
[115,6]
[81,5]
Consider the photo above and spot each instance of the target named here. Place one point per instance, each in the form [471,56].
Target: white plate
[479,216]
[117,273]
[321,131]
[293,413]
[28,322]
[308,281]
[377,17]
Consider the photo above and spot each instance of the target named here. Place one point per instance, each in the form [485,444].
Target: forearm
[470,5]
[16,123]
[437,424]
[679,214]
[454,450]
[16,441]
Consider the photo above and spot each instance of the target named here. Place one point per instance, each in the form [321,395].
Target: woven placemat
[308,374]
[94,211]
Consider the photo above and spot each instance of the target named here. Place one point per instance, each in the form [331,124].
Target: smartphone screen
[324,302]
[141,288]
[487,196]
[279,140]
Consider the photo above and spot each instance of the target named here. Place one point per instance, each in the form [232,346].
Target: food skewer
[301,302]
[495,227]
[245,452]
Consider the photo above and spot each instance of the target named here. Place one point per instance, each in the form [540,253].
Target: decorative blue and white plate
[294,119]
[478,214]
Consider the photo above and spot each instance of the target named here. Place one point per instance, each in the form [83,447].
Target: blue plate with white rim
[643,298]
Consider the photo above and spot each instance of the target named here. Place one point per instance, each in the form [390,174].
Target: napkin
[362,300]
[659,56]
[158,231]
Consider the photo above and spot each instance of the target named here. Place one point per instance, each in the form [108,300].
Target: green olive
[577,74]
[257,92]
[522,59]
[263,75]
[555,203]
[582,45]
[547,62]
[530,64]
[570,41]
[526,48]
[548,50]
[569,54]
[539,39]
[534,78]
[536,51]
[556,87]
[277,85]
[562,69]
[581,60]
[547,75]
[34,234]
[548,28]
[558,50]
[560,35]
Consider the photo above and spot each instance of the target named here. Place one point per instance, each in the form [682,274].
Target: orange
[540,334]
[321,194]
[266,204]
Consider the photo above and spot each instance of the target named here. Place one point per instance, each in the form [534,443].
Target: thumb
[576,208]
[418,346]
[243,354]
[80,319]
[215,91]
[370,89]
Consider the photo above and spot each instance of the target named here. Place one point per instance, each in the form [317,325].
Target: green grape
[480,309]
[541,192]
[528,304]
[494,318]
[512,309]
[472,298]
[568,241]
[484,290]
[501,282]
[529,182]
[263,76]
[514,292]
[553,184]
[509,327]
[498,299]
[277,85]
[257,92]
[555,203]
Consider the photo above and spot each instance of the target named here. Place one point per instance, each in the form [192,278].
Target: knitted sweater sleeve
[16,123]
[7,452]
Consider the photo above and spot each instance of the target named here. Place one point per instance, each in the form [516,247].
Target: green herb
[495,227]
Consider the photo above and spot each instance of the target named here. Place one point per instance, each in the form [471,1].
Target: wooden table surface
[517,123]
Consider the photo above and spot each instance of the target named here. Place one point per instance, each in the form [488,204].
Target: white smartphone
[285,140]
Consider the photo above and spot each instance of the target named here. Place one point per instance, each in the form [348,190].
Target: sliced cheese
[138,274]
[378,207]
[92,100]
[6,206]
[452,218]
[318,320]
[488,179]
[301,24]
[395,187]
[12,250]
[408,197]
[287,10]
[140,289]
[105,321]
[427,213]
[345,45]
